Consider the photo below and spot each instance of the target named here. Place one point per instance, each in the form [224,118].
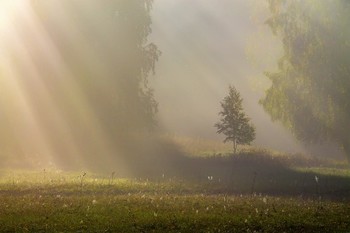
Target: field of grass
[55,201]
[208,190]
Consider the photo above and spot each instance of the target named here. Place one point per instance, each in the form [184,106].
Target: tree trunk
[234,146]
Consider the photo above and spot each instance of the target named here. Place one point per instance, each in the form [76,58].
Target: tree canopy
[310,90]
[234,123]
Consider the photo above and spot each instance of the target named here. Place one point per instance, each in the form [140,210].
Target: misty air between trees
[77,80]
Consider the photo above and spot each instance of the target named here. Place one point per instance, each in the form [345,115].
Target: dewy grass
[56,203]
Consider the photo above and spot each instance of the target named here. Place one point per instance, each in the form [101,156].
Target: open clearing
[54,201]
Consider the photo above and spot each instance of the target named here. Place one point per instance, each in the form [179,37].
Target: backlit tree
[234,123]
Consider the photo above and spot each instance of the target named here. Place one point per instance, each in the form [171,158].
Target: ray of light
[29,56]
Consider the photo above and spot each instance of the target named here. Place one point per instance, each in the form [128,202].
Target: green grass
[53,201]
[257,190]
[339,172]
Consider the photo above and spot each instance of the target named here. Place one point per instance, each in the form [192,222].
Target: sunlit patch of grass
[199,146]
[338,172]
[210,147]
[206,148]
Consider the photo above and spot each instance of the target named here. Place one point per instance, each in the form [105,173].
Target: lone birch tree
[234,123]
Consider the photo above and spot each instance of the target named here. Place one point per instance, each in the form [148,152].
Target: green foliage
[310,90]
[234,124]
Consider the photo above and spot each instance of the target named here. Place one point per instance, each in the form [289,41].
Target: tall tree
[234,124]
[310,91]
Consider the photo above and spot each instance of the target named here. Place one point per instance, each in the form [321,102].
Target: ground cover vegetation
[252,193]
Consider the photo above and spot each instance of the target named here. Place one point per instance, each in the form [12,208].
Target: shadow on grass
[250,173]
[247,173]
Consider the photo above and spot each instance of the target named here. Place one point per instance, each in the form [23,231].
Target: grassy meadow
[254,191]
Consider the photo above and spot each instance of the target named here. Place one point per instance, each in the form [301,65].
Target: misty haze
[174,116]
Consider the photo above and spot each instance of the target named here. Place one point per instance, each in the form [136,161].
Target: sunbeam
[51,110]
